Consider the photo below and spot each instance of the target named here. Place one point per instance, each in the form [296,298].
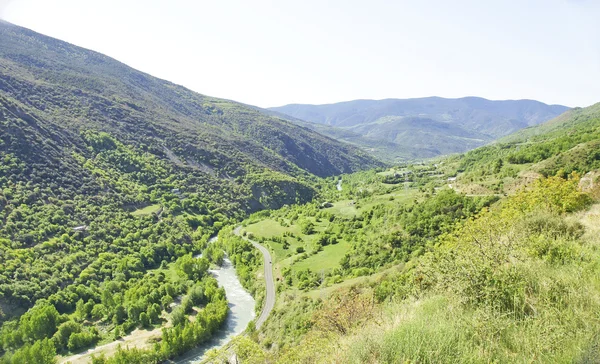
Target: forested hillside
[114,184]
[397,129]
[564,145]
[491,256]
[110,179]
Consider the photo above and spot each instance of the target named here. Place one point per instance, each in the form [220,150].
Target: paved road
[270,299]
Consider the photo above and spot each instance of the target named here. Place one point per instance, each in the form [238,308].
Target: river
[241,312]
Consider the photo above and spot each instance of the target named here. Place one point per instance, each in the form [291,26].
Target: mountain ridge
[474,117]
[78,71]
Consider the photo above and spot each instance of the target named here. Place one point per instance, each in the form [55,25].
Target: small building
[80,228]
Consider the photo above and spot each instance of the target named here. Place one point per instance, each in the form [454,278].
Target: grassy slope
[517,284]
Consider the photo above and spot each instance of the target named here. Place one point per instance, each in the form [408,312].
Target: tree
[154,313]
[307,228]
[41,352]
[498,165]
[118,332]
[64,332]
[192,268]
[196,295]
[120,314]
[39,322]
[144,319]
[178,317]
[98,311]
[166,301]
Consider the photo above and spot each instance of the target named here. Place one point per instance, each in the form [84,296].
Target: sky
[271,53]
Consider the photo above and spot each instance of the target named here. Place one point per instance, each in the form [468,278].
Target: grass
[329,257]
[398,197]
[343,208]
[269,228]
[351,208]
[427,334]
[281,255]
[441,327]
[389,172]
[148,210]
[359,281]
[325,260]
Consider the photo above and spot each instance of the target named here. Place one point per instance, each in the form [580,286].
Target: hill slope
[404,267]
[109,176]
[423,127]
[568,143]
[73,88]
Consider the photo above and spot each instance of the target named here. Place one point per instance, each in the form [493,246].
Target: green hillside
[563,145]
[110,179]
[490,256]
[114,184]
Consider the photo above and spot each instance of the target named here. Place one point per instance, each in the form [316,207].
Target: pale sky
[270,53]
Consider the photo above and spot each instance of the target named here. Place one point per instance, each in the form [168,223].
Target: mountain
[108,174]
[53,91]
[566,144]
[423,127]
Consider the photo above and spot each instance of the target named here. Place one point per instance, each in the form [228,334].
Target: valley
[357,282]
[142,222]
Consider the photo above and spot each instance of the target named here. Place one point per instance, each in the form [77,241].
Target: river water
[241,312]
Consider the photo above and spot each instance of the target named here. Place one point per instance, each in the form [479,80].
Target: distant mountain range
[423,127]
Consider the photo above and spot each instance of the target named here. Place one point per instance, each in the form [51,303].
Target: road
[270,284]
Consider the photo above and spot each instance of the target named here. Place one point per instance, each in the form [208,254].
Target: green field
[330,255]
[351,208]
[148,210]
[269,228]
[324,260]
[344,208]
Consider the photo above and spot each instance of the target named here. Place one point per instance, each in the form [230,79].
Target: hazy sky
[269,53]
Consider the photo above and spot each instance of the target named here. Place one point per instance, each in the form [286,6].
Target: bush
[81,340]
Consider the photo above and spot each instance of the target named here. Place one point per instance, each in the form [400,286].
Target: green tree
[192,268]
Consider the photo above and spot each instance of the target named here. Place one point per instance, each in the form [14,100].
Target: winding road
[270,299]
